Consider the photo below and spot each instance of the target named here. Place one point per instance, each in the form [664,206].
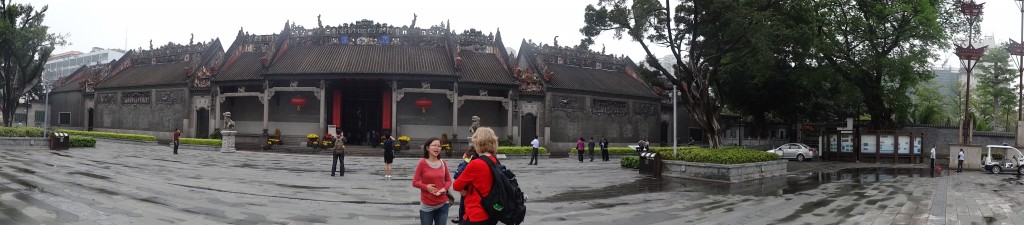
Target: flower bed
[630,162]
[130,137]
[520,150]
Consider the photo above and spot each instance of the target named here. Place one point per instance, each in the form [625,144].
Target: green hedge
[21,132]
[200,141]
[630,162]
[131,137]
[82,142]
[520,150]
[729,155]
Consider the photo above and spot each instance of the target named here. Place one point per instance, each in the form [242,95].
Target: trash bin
[650,163]
[60,141]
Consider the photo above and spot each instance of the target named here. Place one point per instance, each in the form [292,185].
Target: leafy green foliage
[630,162]
[930,106]
[993,99]
[200,141]
[881,47]
[216,134]
[20,132]
[25,46]
[130,137]
[520,150]
[728,155]
[82,142]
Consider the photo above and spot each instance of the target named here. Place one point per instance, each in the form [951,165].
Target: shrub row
[131,137]
[200,141]
[729,155]
[82,142]
[21,132]
[630,162]
[520,150]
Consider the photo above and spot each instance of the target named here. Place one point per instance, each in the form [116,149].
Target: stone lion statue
[476,124]
[228,123]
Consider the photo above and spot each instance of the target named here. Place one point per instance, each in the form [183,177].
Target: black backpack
[506,203]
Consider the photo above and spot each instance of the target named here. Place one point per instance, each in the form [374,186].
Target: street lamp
[46,109]
[969,56]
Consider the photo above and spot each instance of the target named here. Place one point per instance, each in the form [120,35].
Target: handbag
[451,199]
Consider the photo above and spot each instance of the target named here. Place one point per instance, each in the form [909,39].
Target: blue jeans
[437,217]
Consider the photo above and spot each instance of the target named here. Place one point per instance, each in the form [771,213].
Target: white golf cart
[1012,159]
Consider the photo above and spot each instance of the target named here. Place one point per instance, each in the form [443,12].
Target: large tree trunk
[881,116]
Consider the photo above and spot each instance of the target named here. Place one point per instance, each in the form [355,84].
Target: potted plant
[312,140]
[404,140]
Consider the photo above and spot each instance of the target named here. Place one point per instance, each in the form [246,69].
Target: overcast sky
[132,24]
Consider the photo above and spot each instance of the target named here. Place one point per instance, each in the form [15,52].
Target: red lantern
[298,101]
[424,103]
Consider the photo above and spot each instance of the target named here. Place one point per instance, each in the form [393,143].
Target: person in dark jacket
[389,154]
[468,156]
[590,147]
[604,149]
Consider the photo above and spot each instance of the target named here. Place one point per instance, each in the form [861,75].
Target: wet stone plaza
[131,184]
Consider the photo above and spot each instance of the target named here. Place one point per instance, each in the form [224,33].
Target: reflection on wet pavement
[772,186]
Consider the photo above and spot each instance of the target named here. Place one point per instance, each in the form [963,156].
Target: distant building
[947,79]
[63,64]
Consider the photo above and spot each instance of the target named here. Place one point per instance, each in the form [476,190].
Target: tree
[929,106]
[883,48]
[994,99]
[25,46]
[702,35]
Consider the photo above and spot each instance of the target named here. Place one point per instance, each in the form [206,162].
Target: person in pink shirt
[579,149]
[433,179]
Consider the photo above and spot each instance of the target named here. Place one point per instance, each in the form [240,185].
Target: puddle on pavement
[58,153]
[300,186]
[793,183]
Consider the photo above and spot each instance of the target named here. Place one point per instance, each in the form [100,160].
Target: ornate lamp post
[969,57]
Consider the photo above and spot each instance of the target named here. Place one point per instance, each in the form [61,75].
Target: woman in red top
[476,180]
[433,180]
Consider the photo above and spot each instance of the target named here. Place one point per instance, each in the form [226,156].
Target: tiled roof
[72,81]
[142,75]
[584,79]
[484,68]
[246,67]
[338,59]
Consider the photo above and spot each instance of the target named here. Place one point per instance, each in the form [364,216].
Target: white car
[797,151]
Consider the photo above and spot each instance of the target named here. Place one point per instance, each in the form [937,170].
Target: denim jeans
[437,217]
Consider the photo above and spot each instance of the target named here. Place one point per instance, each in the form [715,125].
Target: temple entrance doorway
[361,108]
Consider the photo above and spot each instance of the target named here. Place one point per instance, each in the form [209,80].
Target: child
[469,155]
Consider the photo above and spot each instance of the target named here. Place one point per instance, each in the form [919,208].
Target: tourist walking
[389,154]
[536,150]
[468,156]
[433,180]
[177,136]
[579,149]
[590,148]
[339,153]
[604,149]
[960,161]
[475,181]
[933,158]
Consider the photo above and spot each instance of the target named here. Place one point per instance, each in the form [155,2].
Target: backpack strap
[491,166]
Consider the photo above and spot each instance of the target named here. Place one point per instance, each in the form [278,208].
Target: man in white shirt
[960,161]
[933,158]
[536,148]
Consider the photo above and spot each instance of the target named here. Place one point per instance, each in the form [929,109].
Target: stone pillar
[217,100]
[266,105]
[508,118]
[323,97]
[455,109]
[227,143]
[394,108]
[1020,135]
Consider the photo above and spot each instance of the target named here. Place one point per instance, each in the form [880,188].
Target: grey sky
[103,23]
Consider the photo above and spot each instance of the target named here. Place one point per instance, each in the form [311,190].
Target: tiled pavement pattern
[127,184]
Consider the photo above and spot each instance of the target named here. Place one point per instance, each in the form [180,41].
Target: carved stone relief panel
[567,103]
[170,97]
[644,109]
[107,98]
[609,108]
[136,98]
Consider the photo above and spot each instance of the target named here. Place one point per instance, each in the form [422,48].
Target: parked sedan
[797,151]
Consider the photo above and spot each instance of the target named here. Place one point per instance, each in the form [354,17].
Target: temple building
[365,77]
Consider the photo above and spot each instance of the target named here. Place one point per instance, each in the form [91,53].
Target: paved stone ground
[128,184]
